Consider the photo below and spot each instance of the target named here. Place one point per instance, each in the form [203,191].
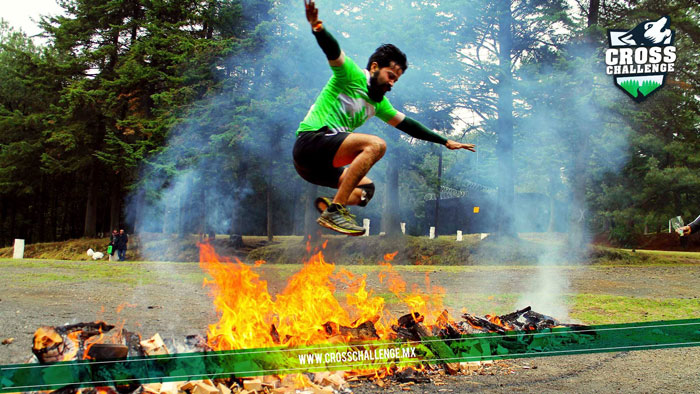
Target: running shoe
[340,220]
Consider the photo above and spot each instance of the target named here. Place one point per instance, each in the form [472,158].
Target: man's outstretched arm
[416,130]
[325,40]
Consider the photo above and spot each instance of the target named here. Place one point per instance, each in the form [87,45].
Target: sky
[19,13]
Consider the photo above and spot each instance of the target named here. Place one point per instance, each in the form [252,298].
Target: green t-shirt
[344,102]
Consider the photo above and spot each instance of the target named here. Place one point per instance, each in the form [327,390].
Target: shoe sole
[331,226]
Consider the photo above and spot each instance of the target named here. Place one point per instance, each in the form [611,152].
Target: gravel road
[169,299]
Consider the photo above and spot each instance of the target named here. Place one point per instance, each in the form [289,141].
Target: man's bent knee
[377,146]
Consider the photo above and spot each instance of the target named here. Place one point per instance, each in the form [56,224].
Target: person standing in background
[122,240]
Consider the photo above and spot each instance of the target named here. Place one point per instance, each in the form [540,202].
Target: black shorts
[313,156]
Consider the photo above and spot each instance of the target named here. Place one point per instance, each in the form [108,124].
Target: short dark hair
[387,53]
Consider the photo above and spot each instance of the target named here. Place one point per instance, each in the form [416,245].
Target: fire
[426,303]
[307,310]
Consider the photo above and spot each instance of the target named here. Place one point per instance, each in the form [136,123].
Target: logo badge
[639,59]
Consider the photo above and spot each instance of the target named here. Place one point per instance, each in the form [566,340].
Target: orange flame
[251,317]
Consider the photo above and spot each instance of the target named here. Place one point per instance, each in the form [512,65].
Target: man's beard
[375,89]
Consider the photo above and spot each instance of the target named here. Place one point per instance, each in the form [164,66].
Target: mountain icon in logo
[640,58]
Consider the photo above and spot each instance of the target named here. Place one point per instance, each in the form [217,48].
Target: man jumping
[325,140]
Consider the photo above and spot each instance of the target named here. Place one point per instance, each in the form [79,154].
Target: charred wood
[440,348]
[133,342]
[409,320]
[275,335]
[514,316]
[405,333]
[364,331]
[483,324]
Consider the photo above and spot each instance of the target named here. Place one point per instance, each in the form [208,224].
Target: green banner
[356,356]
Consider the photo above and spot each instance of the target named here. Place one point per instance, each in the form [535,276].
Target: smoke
[570,136]
[548,286]
[233,148]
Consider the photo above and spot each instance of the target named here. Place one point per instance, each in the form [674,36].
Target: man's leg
[359,152]
[356,194]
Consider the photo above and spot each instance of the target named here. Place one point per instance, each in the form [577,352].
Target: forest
[179,117]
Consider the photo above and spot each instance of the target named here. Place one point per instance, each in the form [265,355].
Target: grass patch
[609,309]
[63,272]
[530,249]
[443,251]
[639,257]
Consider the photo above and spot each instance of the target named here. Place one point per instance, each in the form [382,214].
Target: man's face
[383,79]
[121,232]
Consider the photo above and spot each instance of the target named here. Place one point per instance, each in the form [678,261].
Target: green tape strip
[360,356]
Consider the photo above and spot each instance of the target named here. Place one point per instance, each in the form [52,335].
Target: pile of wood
[72,342]
[322,383]
[77,341]
[521,320]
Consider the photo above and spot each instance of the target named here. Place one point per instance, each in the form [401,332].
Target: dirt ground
[168,298]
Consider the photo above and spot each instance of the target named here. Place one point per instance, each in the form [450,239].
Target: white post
[432,232]
[459,235]
[19,249]
[403,228]
[365,224]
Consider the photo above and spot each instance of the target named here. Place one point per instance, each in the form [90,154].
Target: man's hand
[686,230]
[458,145]
[312,13]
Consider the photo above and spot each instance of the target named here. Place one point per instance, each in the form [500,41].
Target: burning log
[107,351]
[445,327]
[482,324]
[52,344]
[364,331]
[413,323]
[540,321]
[513,316]
[133,343]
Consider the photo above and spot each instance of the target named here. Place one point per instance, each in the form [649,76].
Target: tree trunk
[90,227]
[310,212]
[114,205]
[4,240]
[437,195]
[504,146]
[136,211]
[593,13]
[392,208]
[41,215]
[185,204]
[203,230]
[577,238]
[552,191]
[268,192]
